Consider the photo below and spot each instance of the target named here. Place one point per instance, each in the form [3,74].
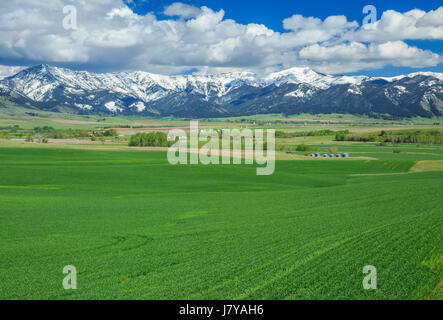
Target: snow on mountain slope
[38,82]
[309,76]
[144,92]
[411,75]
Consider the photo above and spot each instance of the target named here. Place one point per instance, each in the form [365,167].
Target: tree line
[397,136]
[150,139]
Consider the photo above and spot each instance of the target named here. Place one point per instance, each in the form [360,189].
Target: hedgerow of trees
[398,136]
[151,139]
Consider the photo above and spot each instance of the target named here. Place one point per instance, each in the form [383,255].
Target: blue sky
[169,37]
[272,13]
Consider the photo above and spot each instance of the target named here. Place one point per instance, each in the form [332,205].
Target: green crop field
[136,227]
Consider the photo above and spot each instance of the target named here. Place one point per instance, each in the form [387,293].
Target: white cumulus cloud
[109,36]
[182,10]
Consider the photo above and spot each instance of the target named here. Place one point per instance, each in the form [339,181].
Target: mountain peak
[414,74]
[296,71]
[41,67]
[293,90]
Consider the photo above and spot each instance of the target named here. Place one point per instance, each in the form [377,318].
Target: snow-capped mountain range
[290,91]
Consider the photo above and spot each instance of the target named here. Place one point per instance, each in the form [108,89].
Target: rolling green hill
[136,227]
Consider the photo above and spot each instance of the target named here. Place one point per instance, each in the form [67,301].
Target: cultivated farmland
[136,227]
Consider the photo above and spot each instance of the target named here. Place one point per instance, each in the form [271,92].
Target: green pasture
[373,150]
[136,227]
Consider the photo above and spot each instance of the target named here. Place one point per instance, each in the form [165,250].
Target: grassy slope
[136,227]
